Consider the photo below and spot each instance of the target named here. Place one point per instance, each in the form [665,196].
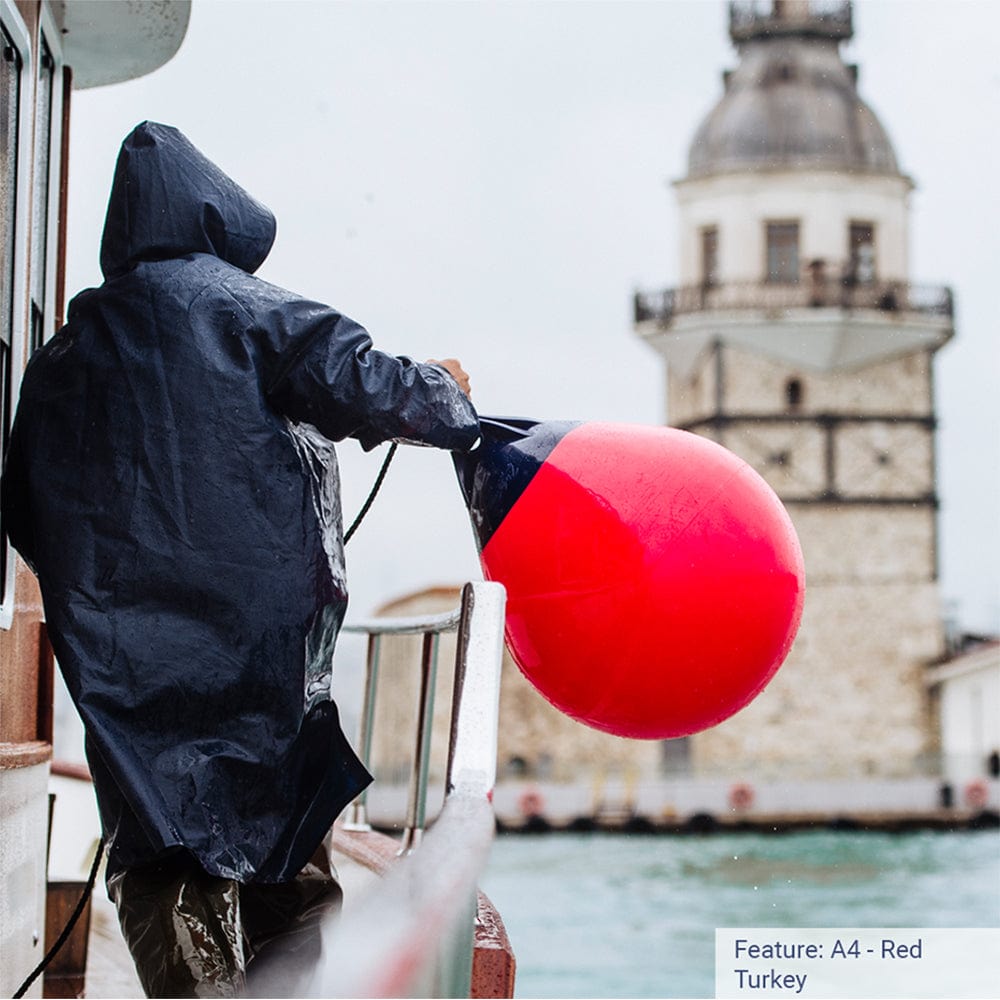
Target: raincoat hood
[169,200]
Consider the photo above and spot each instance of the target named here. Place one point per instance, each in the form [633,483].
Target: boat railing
[414,932]
[431,628]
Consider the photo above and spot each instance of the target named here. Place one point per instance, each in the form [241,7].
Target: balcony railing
[887,297]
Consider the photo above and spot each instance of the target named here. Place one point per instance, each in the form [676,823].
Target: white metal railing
[412,934]
[431,627]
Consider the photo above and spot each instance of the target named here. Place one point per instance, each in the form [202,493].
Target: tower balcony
[814,18]
[884,296]
[821,324]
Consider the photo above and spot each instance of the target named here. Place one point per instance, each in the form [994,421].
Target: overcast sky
[491,181]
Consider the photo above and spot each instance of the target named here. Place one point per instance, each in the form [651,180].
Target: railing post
[357,815]
[416,812]
[472,748]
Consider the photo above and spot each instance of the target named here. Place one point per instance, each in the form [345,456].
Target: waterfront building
[796,339]
[48,50]
[965,689]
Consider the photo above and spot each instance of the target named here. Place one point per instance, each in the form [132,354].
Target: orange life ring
[741,797]
[976,794]
[530,803]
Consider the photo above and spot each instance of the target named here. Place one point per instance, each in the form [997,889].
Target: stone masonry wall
[754,383]
[850,699]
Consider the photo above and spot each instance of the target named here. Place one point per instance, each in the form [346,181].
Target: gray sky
[490,181]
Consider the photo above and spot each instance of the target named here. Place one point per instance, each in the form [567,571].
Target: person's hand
[454,368]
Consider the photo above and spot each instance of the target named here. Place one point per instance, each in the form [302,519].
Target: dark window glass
[676,755]
[40,200]
[783,252]
[862,252]
[793,393]
[710,256]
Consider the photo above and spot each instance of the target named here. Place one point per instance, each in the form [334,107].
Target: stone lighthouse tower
[796,339]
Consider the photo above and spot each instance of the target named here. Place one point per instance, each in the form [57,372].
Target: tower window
[710,256]
[793,393]
[861,239]
[676,755]
[783,252]
[779,72]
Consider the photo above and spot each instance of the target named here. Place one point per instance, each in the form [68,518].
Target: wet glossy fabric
[172,481]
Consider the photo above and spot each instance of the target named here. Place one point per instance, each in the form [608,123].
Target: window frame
[854,226]
[20,37]
[777,276]
[49,33]
[709,246]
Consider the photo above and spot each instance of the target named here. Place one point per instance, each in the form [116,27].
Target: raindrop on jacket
[172,482]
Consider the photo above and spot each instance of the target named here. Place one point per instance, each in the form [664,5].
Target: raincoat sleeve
[320,367]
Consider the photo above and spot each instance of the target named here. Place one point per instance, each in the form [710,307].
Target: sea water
[615,915]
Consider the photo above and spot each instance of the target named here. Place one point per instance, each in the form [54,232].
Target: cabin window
[16,89]
[783,252]
[11,70]
[861,251]
[710,256]
[41,208]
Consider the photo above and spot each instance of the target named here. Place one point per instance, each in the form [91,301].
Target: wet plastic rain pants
[192,934]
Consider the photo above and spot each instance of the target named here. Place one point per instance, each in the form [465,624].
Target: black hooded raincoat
[172,482]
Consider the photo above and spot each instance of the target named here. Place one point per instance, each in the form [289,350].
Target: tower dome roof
[791,102]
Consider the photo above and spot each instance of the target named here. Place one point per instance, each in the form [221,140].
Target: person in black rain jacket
[172,482]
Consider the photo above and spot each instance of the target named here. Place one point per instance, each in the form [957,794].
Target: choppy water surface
[604,915]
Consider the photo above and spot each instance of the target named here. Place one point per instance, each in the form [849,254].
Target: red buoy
[654,580]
